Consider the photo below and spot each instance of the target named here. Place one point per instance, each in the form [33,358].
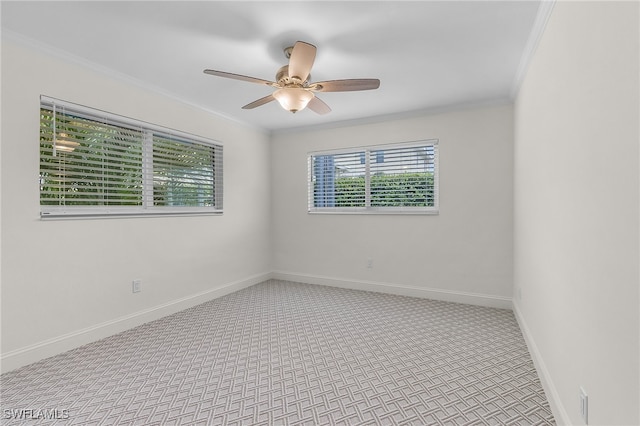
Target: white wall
[462,254]
[577,210]
[68,282]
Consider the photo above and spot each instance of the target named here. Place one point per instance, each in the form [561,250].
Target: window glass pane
[404,177]
[339,180]
[94,163]
[400,178]
[183,173]
[88,163]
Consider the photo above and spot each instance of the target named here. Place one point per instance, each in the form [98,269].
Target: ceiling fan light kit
[293,99]
[294,92]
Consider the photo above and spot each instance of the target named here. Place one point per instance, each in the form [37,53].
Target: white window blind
[98,163]
[399,178]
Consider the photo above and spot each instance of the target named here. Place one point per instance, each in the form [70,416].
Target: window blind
[184,173]
[97,163]
[339,180]
[399,178]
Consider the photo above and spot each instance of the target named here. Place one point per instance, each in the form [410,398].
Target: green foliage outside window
[392,190]
[105,166]
[102,169]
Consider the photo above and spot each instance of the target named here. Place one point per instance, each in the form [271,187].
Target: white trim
[97,212]
[65,56]
[50,347]
[54,346]
[366,151]
[68,57]
[557,408]
[544,12]
[381,146]
[375,210]
[405,115]
[398,289]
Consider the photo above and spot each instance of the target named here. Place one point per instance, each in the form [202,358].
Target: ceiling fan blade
[259,102]
[318,106]
[302,57]
[240,77]
[346,85]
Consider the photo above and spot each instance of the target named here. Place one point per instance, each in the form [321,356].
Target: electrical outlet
[584,406]
[369,263]
[135,287]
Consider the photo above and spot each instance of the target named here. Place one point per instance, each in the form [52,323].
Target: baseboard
[50,347]
[402,290]
[557,408]
[36,352]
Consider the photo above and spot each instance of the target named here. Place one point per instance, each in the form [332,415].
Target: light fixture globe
[293,99]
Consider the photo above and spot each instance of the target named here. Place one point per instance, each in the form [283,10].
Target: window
[97,163]
[400,178]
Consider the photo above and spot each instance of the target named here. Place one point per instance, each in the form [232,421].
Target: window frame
[148,133]
[369,152]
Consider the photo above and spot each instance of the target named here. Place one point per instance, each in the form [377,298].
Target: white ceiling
[427,54]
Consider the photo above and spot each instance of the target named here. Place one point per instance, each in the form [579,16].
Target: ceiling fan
[294,91]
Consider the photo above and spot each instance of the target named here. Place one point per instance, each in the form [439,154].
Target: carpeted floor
[283,353]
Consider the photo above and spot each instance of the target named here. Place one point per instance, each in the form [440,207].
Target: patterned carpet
[282,353]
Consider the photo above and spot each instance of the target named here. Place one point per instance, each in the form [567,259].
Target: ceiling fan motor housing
[283,78]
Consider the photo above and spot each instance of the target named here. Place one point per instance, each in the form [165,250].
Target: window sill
[73,214]
[373,211]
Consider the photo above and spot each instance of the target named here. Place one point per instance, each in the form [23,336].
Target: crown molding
[539,25]
[60,54]
[435,110]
